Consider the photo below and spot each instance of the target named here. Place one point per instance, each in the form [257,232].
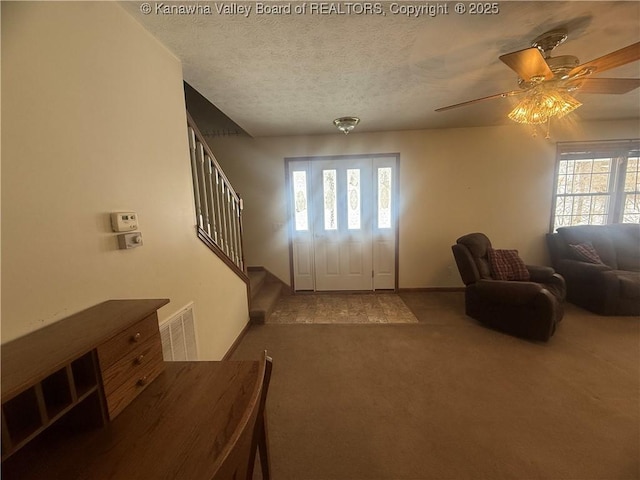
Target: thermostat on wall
[124,221]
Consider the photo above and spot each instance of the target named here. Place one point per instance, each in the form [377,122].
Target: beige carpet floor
[342,308]
[446,398]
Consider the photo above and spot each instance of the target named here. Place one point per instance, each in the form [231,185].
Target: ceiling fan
[540,76]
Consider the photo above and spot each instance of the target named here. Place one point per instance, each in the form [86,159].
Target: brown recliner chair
[529,309]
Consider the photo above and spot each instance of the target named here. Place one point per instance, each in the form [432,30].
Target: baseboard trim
[431,289]
[235,344]
[361,292]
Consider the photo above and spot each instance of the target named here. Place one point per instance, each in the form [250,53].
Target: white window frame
[619,152]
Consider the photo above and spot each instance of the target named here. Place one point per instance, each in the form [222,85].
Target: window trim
[619,151]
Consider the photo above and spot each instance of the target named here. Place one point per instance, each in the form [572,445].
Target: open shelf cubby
[56,392]
[74,386]
[22,416]
[84,374]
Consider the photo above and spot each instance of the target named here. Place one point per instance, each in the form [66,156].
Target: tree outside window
[597,184]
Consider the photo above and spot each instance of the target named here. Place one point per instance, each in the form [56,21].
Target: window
[597,184]
[631,195]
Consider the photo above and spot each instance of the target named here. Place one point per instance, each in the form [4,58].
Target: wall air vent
[178,335]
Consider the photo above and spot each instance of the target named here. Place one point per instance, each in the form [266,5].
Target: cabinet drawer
[117,347]
[124,381]
[131,364]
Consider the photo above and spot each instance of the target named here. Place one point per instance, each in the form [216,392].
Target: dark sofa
[608,287]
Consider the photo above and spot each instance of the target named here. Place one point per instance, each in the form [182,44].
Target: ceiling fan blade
[463,104]
[528,63]
[605,85]
[615,59]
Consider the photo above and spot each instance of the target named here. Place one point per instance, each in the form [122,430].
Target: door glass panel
[353,196]
[384,197]
[300,201]
[330,200]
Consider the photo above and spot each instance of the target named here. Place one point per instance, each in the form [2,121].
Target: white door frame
[303,245]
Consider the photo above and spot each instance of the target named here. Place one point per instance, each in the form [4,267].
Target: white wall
[94,121]
[497,180]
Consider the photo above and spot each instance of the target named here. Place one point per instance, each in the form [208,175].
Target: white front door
[343,219]
[342,224]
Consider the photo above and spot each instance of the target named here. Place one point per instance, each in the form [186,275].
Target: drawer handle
[136,337]
[139,359]
[142,381]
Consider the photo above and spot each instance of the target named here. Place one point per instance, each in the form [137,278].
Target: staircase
[219,214]
[265,292]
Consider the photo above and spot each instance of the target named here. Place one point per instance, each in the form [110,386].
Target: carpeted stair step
[256,280]
[264,301]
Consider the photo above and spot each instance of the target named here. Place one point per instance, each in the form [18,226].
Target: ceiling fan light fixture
[541,104]
[567,105]
[546,82]
[346,124]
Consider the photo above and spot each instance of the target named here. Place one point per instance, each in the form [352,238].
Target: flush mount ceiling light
[346,124]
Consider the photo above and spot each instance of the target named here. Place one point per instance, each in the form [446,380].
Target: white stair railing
[218,206]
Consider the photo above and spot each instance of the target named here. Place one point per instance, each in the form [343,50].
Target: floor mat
[342,308]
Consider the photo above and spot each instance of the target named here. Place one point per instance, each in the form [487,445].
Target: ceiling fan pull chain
[548,135]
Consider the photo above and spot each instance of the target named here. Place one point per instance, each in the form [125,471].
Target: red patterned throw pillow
[507,265]
[585,252]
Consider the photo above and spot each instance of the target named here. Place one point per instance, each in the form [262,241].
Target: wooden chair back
[238,459]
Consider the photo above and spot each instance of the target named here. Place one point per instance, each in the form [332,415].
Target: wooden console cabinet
[90,397]
[85,369]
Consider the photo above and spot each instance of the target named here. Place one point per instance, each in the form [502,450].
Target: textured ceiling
[292,74]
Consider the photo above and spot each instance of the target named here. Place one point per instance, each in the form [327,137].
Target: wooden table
[175,429]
